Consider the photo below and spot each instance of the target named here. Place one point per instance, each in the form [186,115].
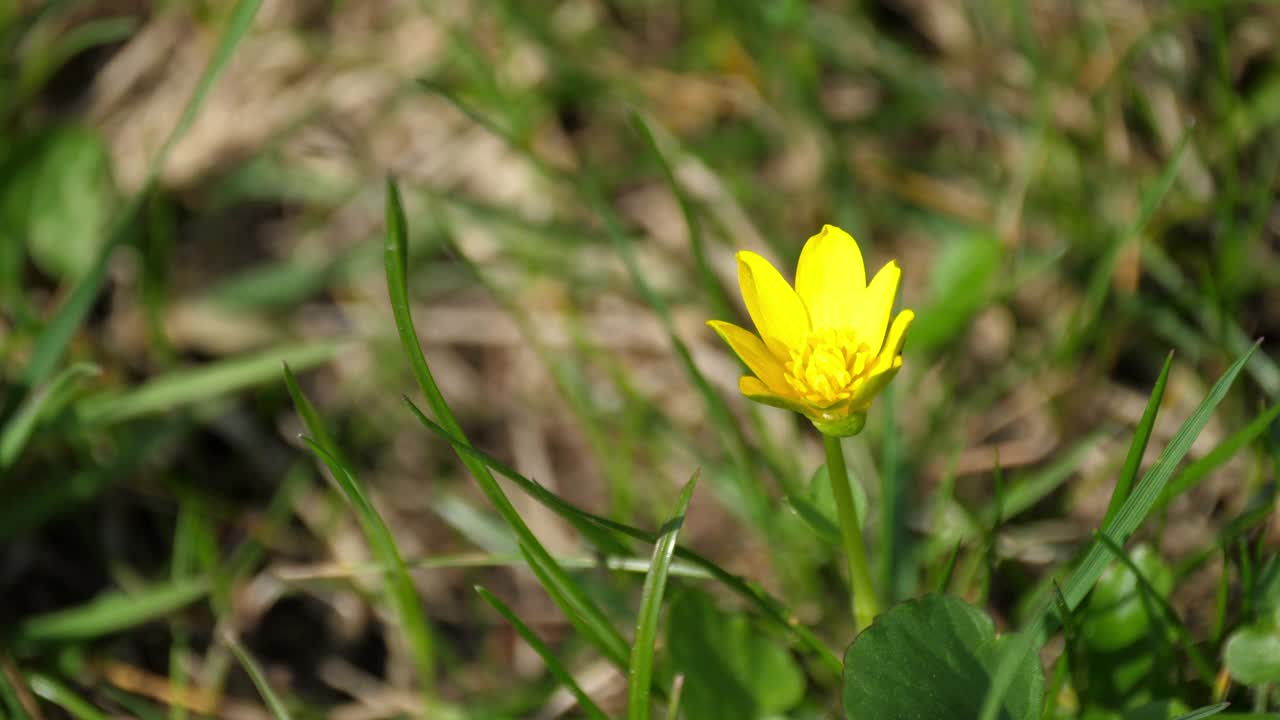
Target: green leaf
[1116,615]
[61,200]
[640,673]
[1252,654]
[933,658]
[731,670]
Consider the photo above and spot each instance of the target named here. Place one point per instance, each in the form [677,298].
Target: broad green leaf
[731,670]
[1252,653]
[1116,615]
[933,659]
[60,200]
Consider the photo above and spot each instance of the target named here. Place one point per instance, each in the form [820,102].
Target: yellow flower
[825,348]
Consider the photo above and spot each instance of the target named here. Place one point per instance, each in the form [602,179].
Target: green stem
[863,599]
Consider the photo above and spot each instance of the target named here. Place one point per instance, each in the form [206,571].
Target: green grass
[458,503]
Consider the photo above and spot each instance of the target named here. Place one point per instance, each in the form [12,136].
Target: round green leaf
[932,659]
[60,199]
[731,670]
[1253,652]
[1117,615]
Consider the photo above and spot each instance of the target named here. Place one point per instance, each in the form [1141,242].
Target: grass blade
[400,590]
[640,674]
[673,703]
[38,407]
[771,607]
[52,342]
[1122,525]
[251,668]
[64,697]
[1198,470]
[1132,461]
[1204,712]
[720,303]
[311,419]
[111,612]
[195,385]
[553,663]
[563,589]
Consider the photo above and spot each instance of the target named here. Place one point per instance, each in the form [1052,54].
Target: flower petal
[875,305]
[756,390]
[893,342]
[872,386]
[776,309]
[753,352]
[831,278]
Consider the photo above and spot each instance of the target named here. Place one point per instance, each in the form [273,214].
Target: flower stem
[865,604]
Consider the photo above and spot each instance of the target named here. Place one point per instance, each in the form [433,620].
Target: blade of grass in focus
[1142,434]
[1122,525]
[53,340]
[554,666]
[563,589]
[770,606]
[640,673]
[399,586]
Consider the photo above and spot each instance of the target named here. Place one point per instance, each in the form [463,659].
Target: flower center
[828,367]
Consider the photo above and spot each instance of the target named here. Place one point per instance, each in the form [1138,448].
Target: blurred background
[1073,190]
